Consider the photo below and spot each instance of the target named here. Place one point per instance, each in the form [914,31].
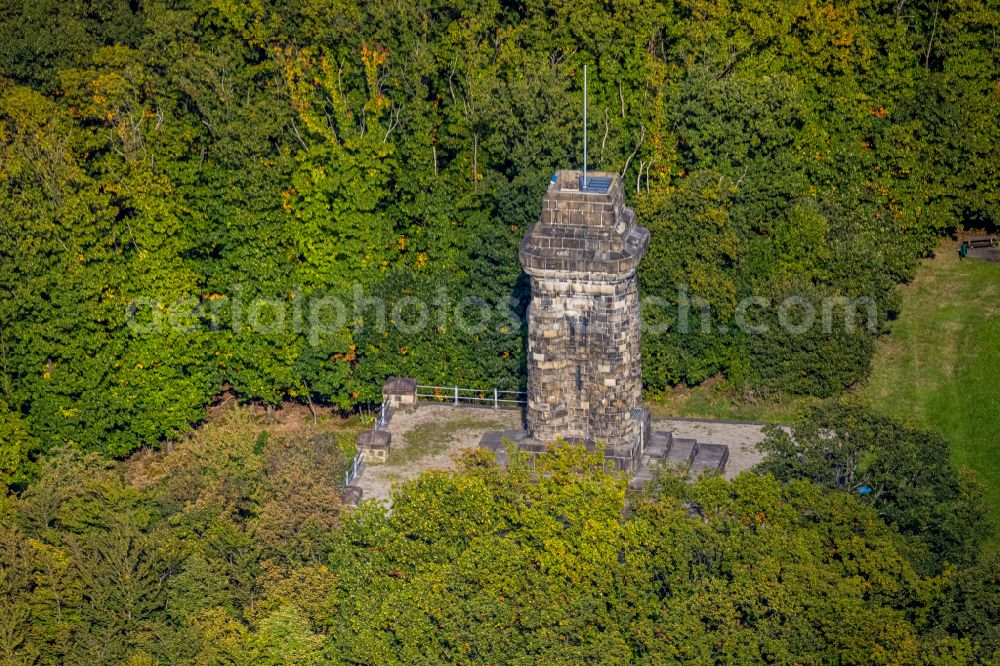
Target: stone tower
[584,370]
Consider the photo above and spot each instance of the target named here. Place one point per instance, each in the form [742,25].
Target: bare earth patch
[427,438]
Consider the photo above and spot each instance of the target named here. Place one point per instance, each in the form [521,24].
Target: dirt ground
[451,428]
[428,437]
[740,437]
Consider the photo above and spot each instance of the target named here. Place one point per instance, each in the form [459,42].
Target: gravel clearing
[429,436]
[453,428]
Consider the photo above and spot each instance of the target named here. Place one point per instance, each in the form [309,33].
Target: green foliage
[158,561]
[831,356]
[17,448]
[234,549]
[903,472]
[182,184]
[510,565]
[792,164]
[38,39]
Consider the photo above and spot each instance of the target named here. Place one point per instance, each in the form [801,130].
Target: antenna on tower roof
[583,185]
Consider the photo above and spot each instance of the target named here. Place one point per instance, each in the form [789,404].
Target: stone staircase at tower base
[678,453]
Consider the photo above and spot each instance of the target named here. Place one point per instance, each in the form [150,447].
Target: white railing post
[352,472]
[437,393]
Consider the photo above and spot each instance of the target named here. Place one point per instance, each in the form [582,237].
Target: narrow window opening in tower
[579,378]
[578,331]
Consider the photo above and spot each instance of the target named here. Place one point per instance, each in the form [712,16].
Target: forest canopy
[170,170]
[256,199]
[236,549]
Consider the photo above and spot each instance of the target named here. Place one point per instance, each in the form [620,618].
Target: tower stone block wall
[584,366]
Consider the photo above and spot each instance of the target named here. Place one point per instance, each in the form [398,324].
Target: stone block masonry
[374,444]
[584,366]
[400,392]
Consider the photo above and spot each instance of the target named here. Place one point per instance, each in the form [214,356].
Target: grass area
[940,367]
[708,402]
[428,439]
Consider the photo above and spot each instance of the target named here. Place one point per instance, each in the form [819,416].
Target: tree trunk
[312,409]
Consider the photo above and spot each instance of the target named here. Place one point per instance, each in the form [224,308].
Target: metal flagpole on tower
[585,127]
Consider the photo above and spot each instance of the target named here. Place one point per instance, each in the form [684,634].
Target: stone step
[642,476]
[493,440]
[710,457]
[682,451]
[636,485]
[643,473]
[659,443]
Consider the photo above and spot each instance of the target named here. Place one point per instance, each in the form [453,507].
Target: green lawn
[707,402]
[940,366]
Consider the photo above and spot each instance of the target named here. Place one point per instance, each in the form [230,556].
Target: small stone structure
[399,392]
[374,444]
[584,369]
[351,495]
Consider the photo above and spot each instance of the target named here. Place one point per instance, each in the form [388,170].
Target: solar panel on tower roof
[599,184]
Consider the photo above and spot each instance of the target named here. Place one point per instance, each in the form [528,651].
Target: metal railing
[383,416]
[457,395]
[351,472]
[380,421]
